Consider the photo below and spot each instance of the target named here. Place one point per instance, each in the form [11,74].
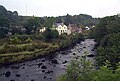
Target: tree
[49,22]
[4,27]
[107,34]
[83,71]
[78,71]
[109,50]
[31,25]
[59,19]
[49,34]
[68,19]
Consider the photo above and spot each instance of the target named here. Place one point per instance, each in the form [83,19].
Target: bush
[30,48]
[50,35]
[3,51]
[6,46]
[15,40]
[28,40]
[83,71]
[40,45]
[39,37]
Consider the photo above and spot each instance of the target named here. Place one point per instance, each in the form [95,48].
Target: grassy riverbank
[20,48]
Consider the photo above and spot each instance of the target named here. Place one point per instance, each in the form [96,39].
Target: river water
[47,68]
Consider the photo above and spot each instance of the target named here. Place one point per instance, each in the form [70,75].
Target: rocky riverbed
[47,68]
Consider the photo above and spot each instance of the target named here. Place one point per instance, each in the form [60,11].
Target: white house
[42,29]
[87,28]
[61,28]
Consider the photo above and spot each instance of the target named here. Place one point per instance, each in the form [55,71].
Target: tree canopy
[49,34]
[107,35]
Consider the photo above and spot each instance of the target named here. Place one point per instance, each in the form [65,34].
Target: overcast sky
[96,8]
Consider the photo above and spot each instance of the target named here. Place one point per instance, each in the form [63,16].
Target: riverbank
[14,53]
[49,67]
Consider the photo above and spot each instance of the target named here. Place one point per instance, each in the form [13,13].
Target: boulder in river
[7,74]
[43,71]
[92,50]
[43,67]
[64,62]
[48,72]
[84,47]
[44,77]
[54,61]
[15,67]
[39,64]
[43,60]
[90,55]
[73,53]
[23,67]
[76,57]
[17,75]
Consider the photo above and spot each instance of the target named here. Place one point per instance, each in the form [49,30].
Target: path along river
[47,68]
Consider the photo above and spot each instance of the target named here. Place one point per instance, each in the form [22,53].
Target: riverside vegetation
[22,47]
[107,36]
[20,38]
[83,70]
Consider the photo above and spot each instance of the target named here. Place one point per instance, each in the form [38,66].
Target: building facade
[42,29]
[61,28]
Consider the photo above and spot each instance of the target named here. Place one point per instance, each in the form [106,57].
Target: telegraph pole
[26,7]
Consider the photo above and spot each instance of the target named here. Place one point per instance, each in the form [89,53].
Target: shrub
[15,40]
[28,40]
[6,46]
[30,48]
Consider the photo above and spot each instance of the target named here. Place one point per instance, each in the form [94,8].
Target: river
[47,68]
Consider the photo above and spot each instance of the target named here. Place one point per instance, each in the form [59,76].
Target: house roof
[57,24]
[72,25]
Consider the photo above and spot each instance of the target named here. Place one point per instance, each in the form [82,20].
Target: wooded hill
[16,24]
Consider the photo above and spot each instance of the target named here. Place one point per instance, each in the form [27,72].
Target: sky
[95,8]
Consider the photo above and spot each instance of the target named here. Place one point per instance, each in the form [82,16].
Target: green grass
[18,53]
[49,48]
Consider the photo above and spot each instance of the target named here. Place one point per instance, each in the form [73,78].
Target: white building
[61,28]
[87,28]
[42,29]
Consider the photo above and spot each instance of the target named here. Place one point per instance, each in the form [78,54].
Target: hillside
[12,22]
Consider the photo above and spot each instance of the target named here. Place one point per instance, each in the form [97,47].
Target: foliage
[49,22]
[105,74]
[7,18]
[78,71]
[49,35]
[107,35]
[13,23]
[109,50]
[31,25]
[29,40]
[15,40]
[83,71]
